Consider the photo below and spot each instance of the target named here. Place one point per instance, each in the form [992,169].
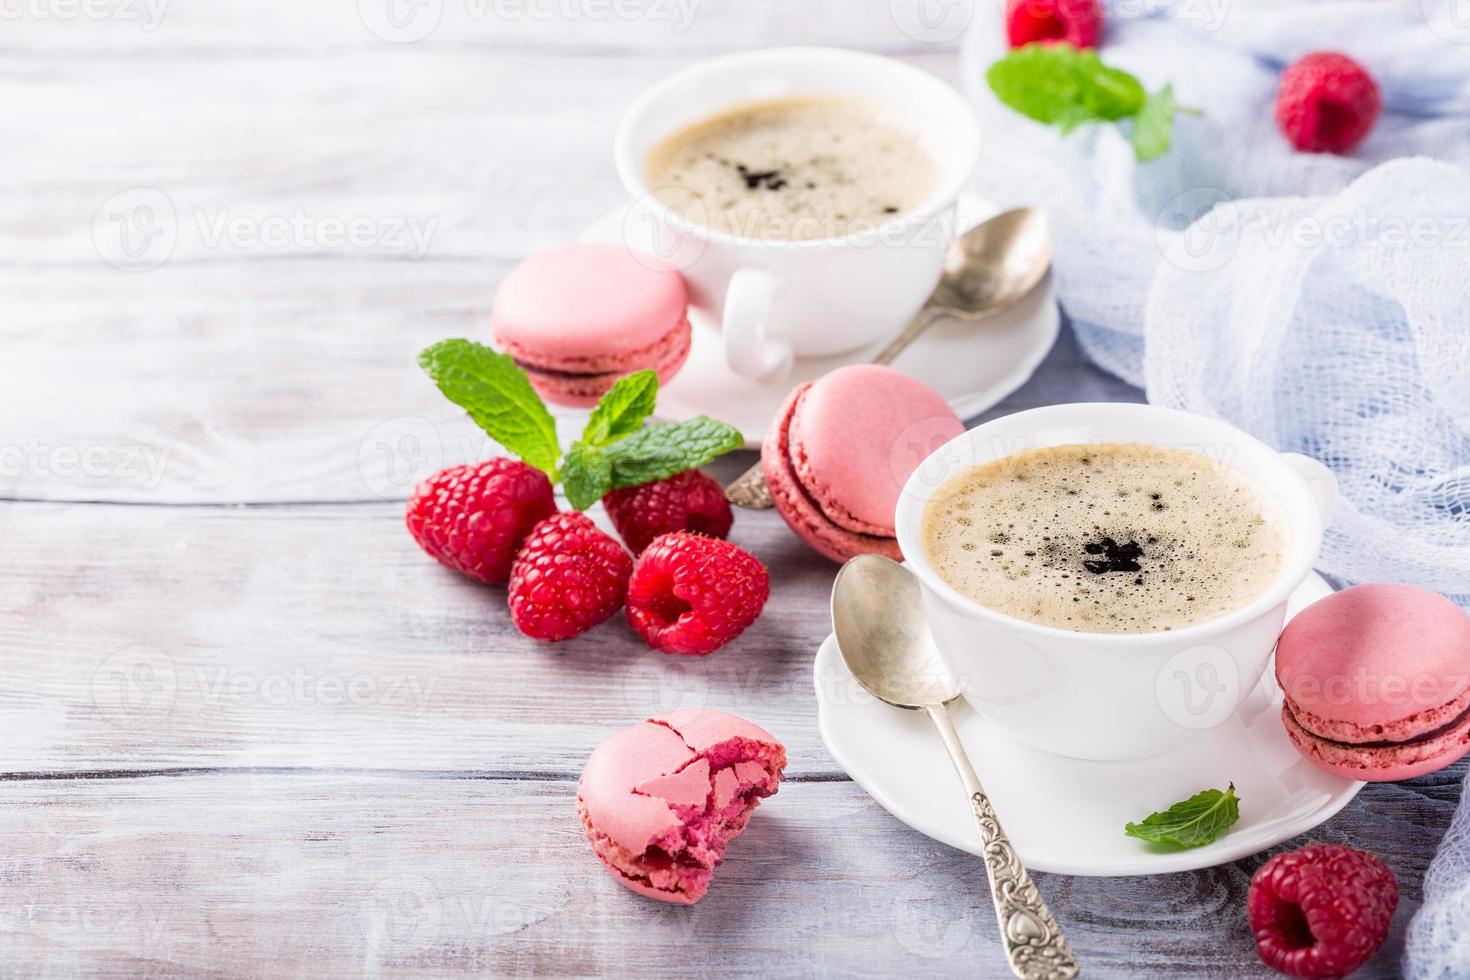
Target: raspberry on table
[473,518]
[691,595]
[569,577]
[1327,103]
[1075,22]
[688,501]
[1321,911]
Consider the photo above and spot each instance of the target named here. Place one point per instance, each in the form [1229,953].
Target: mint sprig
[498,396]
[616,449]
[1194,822]
[622,410]
[660,451]
[1063,86]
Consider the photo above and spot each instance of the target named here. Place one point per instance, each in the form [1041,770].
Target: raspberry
[1075,22]
[691,595]
[1327,103]
[689,501]
[569,577]
[1322,911]
[474,518]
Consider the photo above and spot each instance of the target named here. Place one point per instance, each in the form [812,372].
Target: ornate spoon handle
[1034,944]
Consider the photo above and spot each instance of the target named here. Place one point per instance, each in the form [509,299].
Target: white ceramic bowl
[1106,695]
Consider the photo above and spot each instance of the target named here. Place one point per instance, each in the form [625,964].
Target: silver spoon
[988,269]
[885,641]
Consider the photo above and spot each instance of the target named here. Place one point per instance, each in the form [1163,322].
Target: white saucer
[974,366]
[1067,815]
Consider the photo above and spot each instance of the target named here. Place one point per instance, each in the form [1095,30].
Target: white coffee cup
[1109,695]
[780,299]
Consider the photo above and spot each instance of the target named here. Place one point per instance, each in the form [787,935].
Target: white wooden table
[246,727]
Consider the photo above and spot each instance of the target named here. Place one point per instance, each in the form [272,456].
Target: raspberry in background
[568,578]
[1327,103]
[1321,911]
[688,501]
[473,518]
[1075,22]
[691,595]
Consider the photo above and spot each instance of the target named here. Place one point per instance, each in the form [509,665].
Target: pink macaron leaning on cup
[580,317]
[842,447]
[662,799]
[1377,682]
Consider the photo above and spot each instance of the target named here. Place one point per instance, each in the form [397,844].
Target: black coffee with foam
[1109,538]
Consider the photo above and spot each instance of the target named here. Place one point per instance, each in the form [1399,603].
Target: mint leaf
[496,393]
[660,451]
[1195,822]
[1153,127]
[1059,85]
[622,410]
[586,474]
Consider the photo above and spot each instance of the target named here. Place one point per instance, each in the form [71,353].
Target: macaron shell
[702,729]
[1379,763]
[1376,658]
[802,513]
[644,796]
[614,771]
[583,390]
[859,432]
[589,308]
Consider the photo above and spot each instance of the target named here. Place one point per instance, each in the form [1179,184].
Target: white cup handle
[748,351]
[1320,480]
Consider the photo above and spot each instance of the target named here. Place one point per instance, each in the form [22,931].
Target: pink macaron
[1377,682]
[580,317]
[661,800]
[842,447]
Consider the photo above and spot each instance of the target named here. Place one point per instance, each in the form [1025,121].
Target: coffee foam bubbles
[1108,538]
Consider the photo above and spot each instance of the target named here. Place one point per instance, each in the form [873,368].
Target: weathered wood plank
[612,29]
[267,357]
[298,874]
[141,636]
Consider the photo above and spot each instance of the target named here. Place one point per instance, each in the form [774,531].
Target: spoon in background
[987,271]
[884,637]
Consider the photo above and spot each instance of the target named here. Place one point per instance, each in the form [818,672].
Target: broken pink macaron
[842,447]
[661,800]
[1377,682]
[580,317]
